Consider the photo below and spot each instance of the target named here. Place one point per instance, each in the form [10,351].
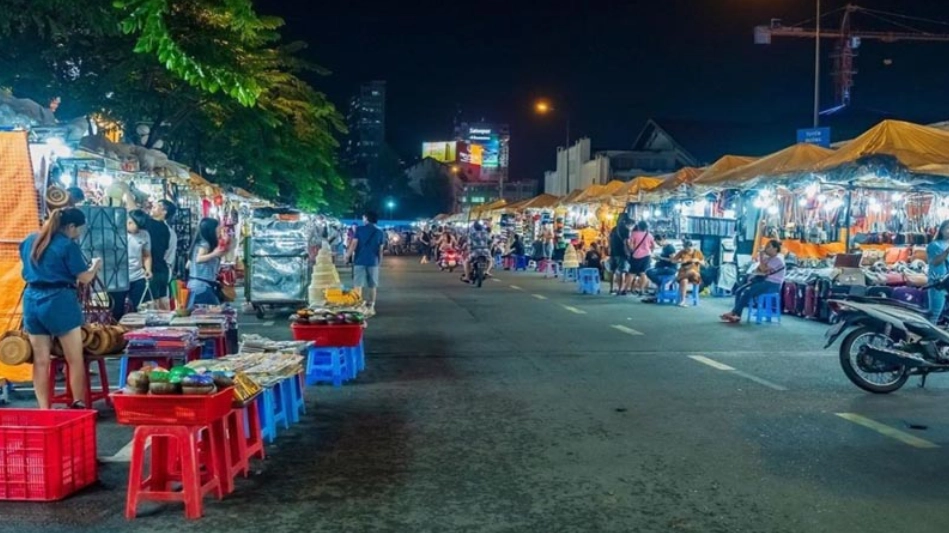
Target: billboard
[442,151]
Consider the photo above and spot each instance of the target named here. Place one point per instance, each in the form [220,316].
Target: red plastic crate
[336,335]
[46,455]
[172,409]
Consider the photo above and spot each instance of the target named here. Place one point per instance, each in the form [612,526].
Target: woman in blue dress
[205,265]
[53,265]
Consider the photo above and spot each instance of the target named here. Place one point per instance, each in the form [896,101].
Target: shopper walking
[641,244]
[205,265]
[52,266]
[365,251]
[619,255]
[140,265]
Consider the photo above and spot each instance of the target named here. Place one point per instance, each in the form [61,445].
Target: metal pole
[568,157]
[817,70]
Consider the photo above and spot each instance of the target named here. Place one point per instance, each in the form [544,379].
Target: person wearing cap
[690,261]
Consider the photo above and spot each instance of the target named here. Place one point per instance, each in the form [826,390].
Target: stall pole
[847,220]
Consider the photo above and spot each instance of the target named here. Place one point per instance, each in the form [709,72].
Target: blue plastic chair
[327,365]
[292,390]
[570,274]
[271,412]
[766,307]
[668,291]
[588,281]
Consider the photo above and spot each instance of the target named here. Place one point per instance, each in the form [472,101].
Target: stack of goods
[209,326]
[161,342]
[257,344]
[570,257]
[325,275]
[265,369]
[178,380]
[338,298]
[149,319]
[327,317]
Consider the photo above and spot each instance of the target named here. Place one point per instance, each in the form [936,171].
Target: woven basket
[15,348]
[56,197]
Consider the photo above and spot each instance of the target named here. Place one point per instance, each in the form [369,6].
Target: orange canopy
[723,165]
[638,185]
[920,149]
[572,197]
[793,159]
[683,176]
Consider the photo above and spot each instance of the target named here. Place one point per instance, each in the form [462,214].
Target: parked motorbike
[448,260]
[887,342]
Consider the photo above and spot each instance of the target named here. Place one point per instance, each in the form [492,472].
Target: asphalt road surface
[524,406]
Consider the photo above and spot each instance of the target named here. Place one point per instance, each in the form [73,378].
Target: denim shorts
[51,312]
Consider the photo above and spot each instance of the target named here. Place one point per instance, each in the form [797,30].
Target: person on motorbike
[938,253]
[478,246]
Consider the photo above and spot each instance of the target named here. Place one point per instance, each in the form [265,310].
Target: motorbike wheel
[859,368]
[479,277]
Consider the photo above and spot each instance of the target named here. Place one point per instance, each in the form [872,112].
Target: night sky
[612,65]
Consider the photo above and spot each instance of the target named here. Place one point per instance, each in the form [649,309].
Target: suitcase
[810,302]
[789,297]
[911,295]
[800,299]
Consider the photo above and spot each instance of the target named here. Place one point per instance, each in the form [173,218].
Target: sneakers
[370,311]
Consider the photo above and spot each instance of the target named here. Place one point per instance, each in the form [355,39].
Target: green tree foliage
[209,77]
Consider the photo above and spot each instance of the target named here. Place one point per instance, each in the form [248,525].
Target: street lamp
[817,70]
[544,107]
[390,205]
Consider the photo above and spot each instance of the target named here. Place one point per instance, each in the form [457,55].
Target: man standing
[365,251]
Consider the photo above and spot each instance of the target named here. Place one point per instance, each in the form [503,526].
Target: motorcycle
[448,260]
[887,342]
[479,270]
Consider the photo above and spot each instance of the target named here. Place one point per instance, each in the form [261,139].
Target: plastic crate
[341,335]
[172,409]
[46,455]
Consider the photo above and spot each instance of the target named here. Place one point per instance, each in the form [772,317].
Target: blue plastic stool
[268,419]
[326,365]
[668,291]
[588,281]
[356,359]
[570,274]
[292,390]
[521,262]
[766,307]
[280,400]
[208,349]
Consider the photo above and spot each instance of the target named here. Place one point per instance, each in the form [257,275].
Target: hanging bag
[15,347]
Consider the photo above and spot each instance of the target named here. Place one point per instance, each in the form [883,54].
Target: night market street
[524,406]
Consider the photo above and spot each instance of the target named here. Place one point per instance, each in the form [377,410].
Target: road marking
[124,455]
[516,288]
[624,329]
[496,279]
[574,310]
[759,381]
[267,324]
[711,362]
[885,430]
[539,296]
[723,367]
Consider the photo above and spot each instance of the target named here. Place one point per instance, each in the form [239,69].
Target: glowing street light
[544,107]
[390,205]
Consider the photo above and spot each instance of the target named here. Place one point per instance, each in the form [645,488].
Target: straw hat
[15,348]
[56,197]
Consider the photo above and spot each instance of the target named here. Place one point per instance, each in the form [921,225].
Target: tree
[208,77]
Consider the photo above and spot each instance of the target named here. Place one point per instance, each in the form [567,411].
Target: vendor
[767,278]
[205,264]
[52,266]
[938,253]
[140,266]
[690,261]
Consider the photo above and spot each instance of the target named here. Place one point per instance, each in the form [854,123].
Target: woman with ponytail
[52,266]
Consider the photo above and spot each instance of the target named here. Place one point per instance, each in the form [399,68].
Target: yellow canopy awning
[572,197]
[919,149]
[723,165]
[793,159]
[542,201]
[683,176]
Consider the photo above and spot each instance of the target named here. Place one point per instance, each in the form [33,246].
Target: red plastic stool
[237,444]
[174,457]
[90,396]
[254,446]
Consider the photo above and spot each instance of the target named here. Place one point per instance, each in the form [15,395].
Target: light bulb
[773,210]
[802,202]
[897,197]
[822,198]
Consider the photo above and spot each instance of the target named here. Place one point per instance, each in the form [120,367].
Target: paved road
[523,406]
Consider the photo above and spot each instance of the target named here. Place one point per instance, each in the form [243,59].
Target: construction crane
[848,40]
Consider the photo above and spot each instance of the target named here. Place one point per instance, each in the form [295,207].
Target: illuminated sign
[444,151]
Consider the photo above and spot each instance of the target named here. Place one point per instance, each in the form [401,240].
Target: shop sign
[818,136]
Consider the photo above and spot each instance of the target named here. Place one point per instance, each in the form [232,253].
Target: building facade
[367,126]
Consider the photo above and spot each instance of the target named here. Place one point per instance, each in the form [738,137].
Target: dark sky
[611,64]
